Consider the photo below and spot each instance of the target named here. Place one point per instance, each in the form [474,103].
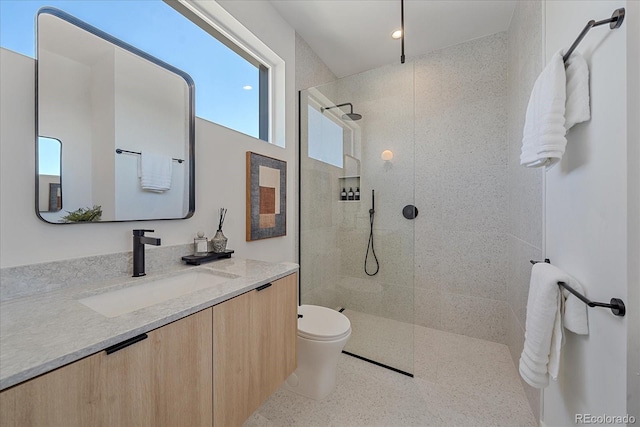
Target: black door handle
[125,343]
[265,286]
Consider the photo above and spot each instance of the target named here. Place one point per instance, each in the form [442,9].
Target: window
[232,86]
[326,138]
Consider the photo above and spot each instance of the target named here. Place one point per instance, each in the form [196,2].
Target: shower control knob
[410,212]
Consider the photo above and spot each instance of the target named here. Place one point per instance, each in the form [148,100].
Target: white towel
[155,172]
[575,311]
[559,100]
[577,104]
[546,308]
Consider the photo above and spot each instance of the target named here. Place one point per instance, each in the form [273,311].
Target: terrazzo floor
[386,341]
[459,381]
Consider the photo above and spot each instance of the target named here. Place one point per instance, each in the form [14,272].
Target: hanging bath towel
[559,100]
[155,172]
[549,309]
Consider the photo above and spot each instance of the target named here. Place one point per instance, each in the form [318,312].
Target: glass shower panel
[341,157]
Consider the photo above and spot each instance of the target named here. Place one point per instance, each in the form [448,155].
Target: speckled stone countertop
[42,332]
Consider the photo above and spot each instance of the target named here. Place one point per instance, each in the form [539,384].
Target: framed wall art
[266,197]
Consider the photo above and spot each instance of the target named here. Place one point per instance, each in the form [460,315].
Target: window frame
[220,24]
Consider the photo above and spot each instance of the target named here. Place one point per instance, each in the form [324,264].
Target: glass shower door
[356,176]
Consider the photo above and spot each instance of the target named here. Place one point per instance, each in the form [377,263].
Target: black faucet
[139,240]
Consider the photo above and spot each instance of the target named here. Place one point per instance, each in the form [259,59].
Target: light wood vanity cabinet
[254,349]
[163,380]
[215,367]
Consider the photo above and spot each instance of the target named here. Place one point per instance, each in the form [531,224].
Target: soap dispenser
[343,194]
[357,194]
[350,194]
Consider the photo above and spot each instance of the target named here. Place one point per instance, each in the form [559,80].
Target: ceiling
[352,36]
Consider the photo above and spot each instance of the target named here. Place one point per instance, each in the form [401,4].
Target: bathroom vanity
[207,357]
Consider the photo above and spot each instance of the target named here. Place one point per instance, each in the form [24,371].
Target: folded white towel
[577,104]
[542,323]
[574,317]
[547,311]
[155,172]
[559,100]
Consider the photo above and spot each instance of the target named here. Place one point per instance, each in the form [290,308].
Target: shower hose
[370,244]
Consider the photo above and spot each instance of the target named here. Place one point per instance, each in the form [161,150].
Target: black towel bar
[616,304]
[120,151]
[614,22]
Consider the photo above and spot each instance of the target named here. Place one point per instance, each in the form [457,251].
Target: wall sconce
[387,155]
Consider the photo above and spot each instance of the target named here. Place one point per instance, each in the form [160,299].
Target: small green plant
[84,215]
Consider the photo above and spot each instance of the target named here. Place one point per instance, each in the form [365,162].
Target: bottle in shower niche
[343,194]
[350,195]
[356,195]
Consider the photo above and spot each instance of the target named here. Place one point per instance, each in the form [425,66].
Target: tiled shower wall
[524,232]
[461,189]
[456,172]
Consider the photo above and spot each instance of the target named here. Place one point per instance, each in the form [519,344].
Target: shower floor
[382,340]
[459,381]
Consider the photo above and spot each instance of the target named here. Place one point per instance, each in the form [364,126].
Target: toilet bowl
[322,334]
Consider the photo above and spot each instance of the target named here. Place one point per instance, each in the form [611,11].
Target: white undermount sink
[135,296]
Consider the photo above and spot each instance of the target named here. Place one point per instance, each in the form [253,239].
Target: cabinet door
[180,380]
[274,331]
[162,380]
[254,349]
[232,382]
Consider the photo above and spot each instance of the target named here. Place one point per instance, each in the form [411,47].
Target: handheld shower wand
[373,202]
[372,212]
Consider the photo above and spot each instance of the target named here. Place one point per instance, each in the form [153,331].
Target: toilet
[322,334]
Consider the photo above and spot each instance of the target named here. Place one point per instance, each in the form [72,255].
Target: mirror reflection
[49,166]
[126,120]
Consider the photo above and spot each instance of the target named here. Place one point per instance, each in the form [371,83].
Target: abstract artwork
[266,197]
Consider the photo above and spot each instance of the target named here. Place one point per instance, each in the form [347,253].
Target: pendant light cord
[370,246]
[402,29]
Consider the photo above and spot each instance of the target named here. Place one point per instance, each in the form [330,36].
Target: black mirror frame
[132,49]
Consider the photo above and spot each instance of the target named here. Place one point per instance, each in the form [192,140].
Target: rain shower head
[348,116]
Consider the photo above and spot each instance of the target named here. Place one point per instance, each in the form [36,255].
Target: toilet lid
[321,323]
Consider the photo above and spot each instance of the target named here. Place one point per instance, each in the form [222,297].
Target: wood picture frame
[266,197]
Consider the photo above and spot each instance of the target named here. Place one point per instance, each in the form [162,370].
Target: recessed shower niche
[349,183]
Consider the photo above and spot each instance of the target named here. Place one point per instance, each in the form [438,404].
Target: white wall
[525,229]
[586,216]
[151,110]
[220,170]
[66,114]
[103,129]
[633,162]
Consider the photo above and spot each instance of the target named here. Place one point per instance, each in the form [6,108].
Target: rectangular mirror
[118,122]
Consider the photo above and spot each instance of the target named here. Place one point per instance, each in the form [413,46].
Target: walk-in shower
[341,153]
